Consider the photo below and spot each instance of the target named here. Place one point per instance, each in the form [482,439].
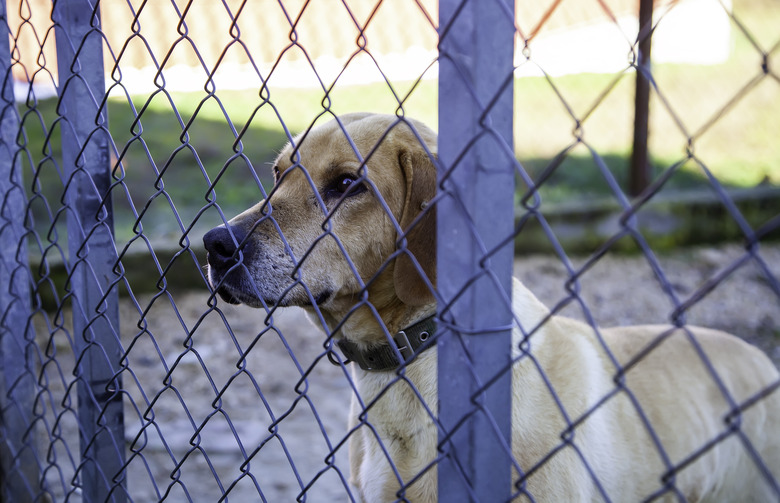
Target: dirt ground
[220,403]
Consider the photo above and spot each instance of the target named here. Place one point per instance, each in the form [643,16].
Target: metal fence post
[91,248]
[19,470]
[475,221]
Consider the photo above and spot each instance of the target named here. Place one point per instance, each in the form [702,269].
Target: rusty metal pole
[640,174]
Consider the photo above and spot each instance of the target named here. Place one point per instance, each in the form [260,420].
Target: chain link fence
[126,144]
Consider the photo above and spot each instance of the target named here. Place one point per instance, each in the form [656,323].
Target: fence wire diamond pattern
[127,134]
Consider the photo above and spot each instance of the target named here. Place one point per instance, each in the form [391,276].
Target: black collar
[384,357]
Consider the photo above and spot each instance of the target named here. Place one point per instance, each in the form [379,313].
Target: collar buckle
[404,345]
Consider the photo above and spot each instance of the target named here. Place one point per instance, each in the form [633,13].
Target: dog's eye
[276,173]
[345,184]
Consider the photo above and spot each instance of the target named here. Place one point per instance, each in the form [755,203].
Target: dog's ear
[418,222]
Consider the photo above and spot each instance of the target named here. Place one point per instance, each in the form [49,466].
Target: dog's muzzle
[239,273]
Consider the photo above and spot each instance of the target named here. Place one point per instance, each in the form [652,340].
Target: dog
[348,233]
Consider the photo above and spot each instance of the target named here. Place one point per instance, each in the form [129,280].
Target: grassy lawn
[173,147]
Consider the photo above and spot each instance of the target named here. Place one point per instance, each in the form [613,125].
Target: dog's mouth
[232,287]
[236,296]
[227,296]
[322,298]
[248,294]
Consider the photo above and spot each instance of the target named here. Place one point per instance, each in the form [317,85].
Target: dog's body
[662,413]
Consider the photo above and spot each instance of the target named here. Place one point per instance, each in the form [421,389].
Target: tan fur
[670,384]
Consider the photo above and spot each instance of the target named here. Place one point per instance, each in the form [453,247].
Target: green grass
[162,168]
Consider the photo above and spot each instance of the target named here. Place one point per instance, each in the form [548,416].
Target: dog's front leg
[356,450]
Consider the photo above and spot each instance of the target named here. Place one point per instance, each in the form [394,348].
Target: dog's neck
[371,324]
[370,321]
[375,330]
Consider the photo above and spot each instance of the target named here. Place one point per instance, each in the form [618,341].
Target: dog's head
[348,216]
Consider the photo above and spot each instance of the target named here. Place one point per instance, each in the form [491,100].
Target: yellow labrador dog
[695,438]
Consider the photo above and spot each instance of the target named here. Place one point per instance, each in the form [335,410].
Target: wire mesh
[127,376]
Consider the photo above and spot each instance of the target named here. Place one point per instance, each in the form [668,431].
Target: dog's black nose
[221,244]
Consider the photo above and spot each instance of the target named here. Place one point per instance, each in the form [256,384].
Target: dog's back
[715,384]
[647,410]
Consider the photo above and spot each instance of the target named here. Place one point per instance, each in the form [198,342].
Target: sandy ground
[233,415]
